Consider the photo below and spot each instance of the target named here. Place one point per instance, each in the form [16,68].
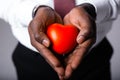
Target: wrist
[90,9]
[37,7]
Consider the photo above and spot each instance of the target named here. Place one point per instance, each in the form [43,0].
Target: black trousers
[32,66]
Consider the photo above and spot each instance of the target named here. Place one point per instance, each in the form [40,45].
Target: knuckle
[37,36]
[86,33]
[90,33]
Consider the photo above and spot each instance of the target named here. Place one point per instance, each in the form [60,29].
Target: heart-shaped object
[62,37]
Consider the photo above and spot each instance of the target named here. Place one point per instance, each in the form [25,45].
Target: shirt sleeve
[118,5]
[20,10]
[18,13]
[105,9]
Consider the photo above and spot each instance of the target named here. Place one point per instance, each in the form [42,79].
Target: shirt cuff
[105,9]
[23,11]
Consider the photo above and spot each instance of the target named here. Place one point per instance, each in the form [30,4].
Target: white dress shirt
[18,13]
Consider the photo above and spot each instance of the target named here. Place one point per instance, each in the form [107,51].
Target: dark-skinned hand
[79,18]
[37,27]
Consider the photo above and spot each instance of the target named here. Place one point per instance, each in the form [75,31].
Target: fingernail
[45,43]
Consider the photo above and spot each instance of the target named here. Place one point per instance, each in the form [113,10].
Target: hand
[79,18]
[44,17]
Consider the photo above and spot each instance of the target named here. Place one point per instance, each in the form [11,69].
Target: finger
[83,35]
[39,27]
[83,27]
[77,56]
[39,34]
[68,71]
[52,60]
[66,20]
[87,30]
[80,51]
[42,38]
[48,56]
[73,65]
[58,18]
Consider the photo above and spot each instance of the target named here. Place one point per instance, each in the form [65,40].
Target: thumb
[42,38]
[39,33]
[83,35]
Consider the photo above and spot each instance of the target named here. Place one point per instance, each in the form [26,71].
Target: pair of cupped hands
[77,17]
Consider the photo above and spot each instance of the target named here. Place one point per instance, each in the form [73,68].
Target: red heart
[62,37]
